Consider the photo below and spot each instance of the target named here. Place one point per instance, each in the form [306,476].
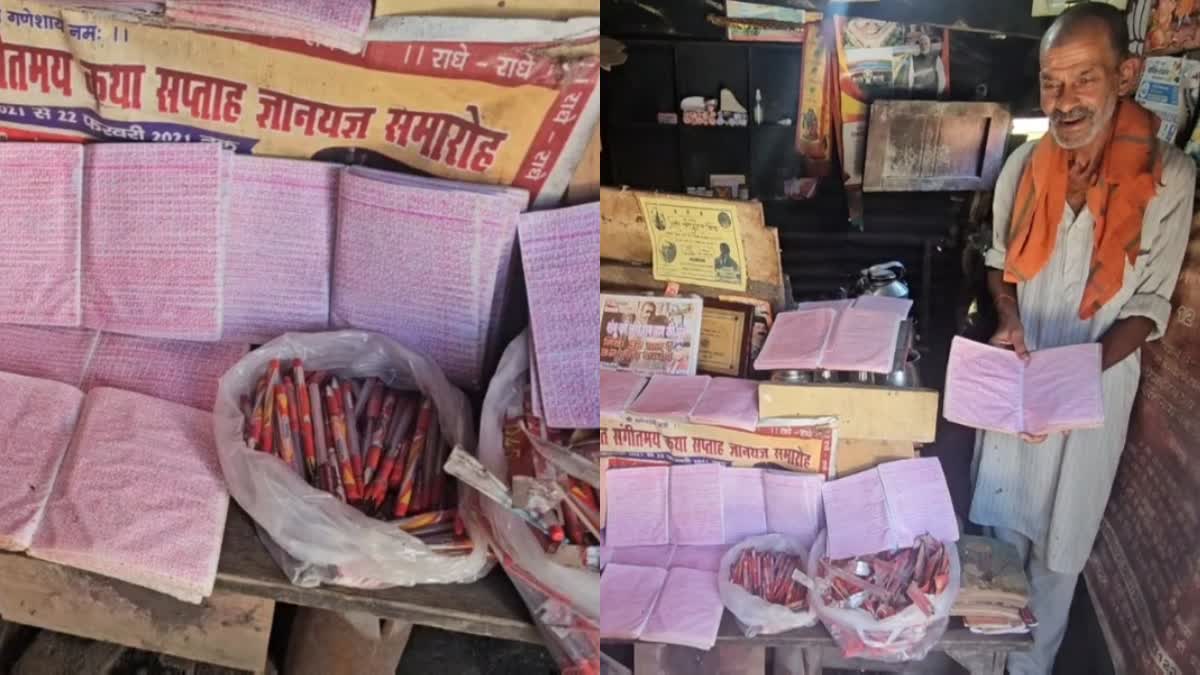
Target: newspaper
[478,108]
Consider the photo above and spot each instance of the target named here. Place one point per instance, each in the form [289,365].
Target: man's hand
[1011,335]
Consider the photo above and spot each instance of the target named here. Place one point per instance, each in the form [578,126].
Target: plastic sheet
[908,635]
[572,629]
[755,615]
[315,537]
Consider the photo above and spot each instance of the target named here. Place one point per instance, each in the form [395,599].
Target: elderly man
[1090,227]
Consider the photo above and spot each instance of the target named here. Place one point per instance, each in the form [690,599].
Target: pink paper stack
[139,497]
[154,223]
[618,389]
[277,259]
[40,224]
[560,251]
[670,396]
[38,418]
[426,262]
[59,354]
[172,370]
[341,24]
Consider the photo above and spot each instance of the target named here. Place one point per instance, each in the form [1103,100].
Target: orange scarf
[1129,175]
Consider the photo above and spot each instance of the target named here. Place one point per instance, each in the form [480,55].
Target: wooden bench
[233,626]
[808,650]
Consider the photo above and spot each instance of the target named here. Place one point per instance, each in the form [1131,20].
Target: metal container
[792,376]
[907,375]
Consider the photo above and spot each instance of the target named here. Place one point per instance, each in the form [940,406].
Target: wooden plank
[228,629]
[585,184]
[58,654]
[652,658]
[624,240]
[854,455]
[790,660]
[931,146]
[864,412]
[489,607]
[344,643]
[741,659]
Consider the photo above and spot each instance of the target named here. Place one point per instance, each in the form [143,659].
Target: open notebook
[678,606]
[117,483]
[991,388]
[708,505]
[888,507]
[858,336]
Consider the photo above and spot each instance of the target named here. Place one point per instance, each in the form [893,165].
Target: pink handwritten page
[340,24]
[983,386]
[141,276]
[670,396]
[697,511]
[728,402]
[863,340]
[637,503]
[897,306]
[1050,373]
[797,340]
[173,370]
[688,611]
[793,504]
[618,389]
[560,252]
[58,354]
[646,556]
[857,516]
[38,418]
[991,388]
[703,558]
[140,496]
[426,262]
[628,595]
[919,500]
[41,225]
[742,500]
[277,263]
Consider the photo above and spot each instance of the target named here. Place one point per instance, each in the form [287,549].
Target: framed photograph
[725,331]
[650,334]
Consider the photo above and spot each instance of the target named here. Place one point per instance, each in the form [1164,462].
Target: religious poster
[649,334]
[695,241]
[481,108]
[882,59]
[813,130]
[1143,574]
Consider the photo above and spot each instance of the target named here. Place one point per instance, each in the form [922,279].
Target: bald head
[1090,21]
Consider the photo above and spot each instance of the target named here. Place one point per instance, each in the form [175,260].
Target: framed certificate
[725,329]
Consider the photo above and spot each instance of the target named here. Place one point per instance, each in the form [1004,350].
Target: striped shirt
[1055,492]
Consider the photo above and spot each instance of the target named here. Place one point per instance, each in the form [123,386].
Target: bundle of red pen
[579,511]
[886,583]
[768,575]
[374,447]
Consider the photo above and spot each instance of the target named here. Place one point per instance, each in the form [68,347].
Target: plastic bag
[314,537]
[564,601]
[908,635]
[755,615]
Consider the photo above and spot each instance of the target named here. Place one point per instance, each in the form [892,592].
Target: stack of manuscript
[426,262]
[560,251]
[995,591]
[341,24]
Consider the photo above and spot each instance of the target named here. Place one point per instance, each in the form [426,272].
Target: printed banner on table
[486,111]
[1142,574]
[793,445]
[695,241]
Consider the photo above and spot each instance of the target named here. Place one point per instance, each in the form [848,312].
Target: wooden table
[808,650]
[232,627]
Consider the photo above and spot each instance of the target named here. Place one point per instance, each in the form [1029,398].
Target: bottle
[758,114]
